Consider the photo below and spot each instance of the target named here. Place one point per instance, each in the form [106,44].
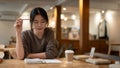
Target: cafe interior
[78,25]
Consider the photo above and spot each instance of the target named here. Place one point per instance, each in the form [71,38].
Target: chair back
[2,55]
[61,51]
[2,46]
[113,47]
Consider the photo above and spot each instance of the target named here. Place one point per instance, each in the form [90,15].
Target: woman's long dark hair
[38,11]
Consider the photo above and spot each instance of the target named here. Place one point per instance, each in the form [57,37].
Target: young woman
[38,42]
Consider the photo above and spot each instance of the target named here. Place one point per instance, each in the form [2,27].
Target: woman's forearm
[19,46]
[37,55]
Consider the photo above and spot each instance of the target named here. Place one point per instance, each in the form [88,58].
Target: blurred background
[101,13]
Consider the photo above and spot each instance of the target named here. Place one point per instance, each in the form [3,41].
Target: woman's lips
[39,28]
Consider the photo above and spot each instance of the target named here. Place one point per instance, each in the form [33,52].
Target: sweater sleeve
[51,50]
[25,41]
[51,47]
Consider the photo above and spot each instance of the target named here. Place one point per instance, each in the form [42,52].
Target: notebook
[78,57]
[98,61]
[37,60]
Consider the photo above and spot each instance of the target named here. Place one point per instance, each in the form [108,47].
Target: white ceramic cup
[69,56]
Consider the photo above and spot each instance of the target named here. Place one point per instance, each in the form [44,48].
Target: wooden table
[14,63]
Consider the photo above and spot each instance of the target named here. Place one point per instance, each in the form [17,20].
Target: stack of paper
[98,61]
[37,60]
[114,66]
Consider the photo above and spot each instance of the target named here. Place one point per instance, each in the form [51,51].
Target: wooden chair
[63,48]
[10,46]
[2,46]
[2,55]
[11,52]
[114,47]
[61,51]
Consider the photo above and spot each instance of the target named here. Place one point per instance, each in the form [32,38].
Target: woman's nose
[39,24]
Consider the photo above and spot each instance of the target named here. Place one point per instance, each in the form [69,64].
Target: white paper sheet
[37,60]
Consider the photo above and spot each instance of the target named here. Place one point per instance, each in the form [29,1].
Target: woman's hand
[19,46]
[18,25]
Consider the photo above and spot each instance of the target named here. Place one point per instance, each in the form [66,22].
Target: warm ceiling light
[64,8]
[73,17]
[101,20]
[65,18]
[62,16]
[51,7]
[52,24]
[103,11]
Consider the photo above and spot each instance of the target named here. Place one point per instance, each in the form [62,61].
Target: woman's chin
[40,31]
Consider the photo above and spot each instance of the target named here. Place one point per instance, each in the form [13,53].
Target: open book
[37,60]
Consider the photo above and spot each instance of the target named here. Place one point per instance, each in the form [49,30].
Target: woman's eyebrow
[43,20]
[35,20]
[40,20]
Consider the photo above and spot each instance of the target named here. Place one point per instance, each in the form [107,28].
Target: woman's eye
[35,22]
[42,21]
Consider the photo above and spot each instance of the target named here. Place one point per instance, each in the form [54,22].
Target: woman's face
[39,24]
